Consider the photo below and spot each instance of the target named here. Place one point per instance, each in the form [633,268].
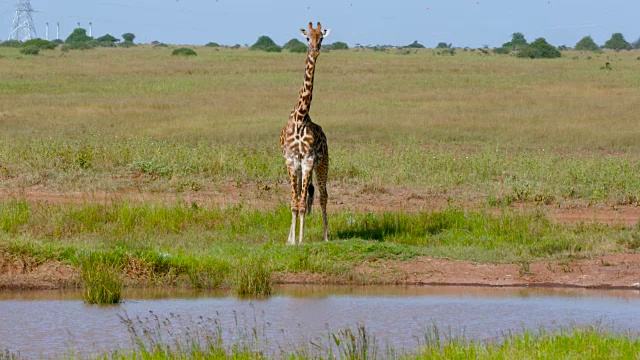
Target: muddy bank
[619,271]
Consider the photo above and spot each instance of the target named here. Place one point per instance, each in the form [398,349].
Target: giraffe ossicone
[304,145]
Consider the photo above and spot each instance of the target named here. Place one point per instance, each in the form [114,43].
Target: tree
[539,49]
[617,43]
[517,39]
[636,44]
[443,45]
[79,35]
[587,44]
[517,43]
[108,39]
[128,37]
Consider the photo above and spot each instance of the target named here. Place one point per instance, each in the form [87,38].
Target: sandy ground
[611,271]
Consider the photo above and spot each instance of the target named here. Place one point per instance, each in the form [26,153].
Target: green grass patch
[240,248]
[101,279]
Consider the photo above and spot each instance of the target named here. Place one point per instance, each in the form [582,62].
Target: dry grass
[560,127]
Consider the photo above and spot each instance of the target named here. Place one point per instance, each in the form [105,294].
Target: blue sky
[396,22]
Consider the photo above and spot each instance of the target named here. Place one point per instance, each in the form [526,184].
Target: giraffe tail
[310,190]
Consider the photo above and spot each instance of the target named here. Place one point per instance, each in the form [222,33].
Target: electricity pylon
[23,28]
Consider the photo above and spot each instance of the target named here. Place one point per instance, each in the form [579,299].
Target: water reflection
[50,323]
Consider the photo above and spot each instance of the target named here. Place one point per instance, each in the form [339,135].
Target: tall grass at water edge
[155,337]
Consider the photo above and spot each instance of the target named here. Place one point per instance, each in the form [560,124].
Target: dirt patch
[619,271]
[20,272]
[343,197]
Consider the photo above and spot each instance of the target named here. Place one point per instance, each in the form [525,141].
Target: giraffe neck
[306,92]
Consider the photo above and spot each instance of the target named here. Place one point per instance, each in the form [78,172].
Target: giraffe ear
[325,33]
[304,33]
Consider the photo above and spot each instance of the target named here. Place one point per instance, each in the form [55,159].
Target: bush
[265,43]
[40,44]
[587,44]
[443,45]
[184,52]
[517,43]
[77,46]
[30,50]
[415,45]
[274,48]
[295,46]
[212,44]
[11,43]
[539,49]
[339,45]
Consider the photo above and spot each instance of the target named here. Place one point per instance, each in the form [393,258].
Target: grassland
[482,132]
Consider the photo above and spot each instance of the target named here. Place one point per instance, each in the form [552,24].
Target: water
[53,323]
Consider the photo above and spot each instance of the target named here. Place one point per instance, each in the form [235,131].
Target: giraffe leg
[293,181]
[291,240]
[307,170]
[321,176]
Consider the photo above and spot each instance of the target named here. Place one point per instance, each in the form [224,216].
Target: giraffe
[304,145]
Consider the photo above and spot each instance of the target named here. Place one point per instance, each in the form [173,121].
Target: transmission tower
[23,28]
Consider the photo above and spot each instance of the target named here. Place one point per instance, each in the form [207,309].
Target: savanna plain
[138,168]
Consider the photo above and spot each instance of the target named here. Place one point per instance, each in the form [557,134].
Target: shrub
[443,45]
[11,43]
[339,45]
[265,43]
[415,45]
[295,46]
[30,50]
[291,43]
[77,46]
[184,52]
[587,44]
[40,44]
[212,44]
[539,49]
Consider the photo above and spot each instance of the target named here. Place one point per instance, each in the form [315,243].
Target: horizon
[460,23]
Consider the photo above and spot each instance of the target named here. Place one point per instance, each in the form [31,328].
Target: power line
[23,28]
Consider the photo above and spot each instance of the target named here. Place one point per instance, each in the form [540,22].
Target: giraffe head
[314,38]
